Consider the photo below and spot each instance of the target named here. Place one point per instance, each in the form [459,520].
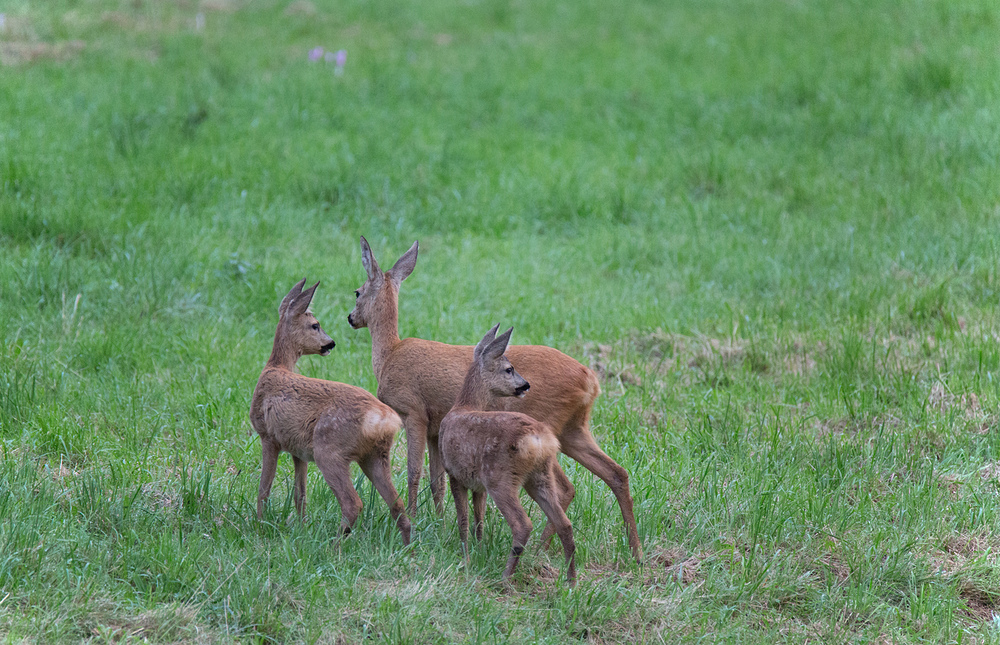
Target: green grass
[770,226]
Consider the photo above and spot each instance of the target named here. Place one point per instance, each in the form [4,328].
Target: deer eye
[316,326]
[357,294]
[509,370]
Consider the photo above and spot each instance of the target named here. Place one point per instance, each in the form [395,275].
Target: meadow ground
[770,226]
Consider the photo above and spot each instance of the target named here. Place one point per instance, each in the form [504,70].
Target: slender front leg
[301,469]
[416,440]
[437,474]
[269,464]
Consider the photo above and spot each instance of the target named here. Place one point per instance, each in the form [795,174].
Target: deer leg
[544,488]
[479,512]
[337,473]
[378,469]
[416,440]
[269,465]
[301,469]
[437,474]
[461,496]
[520,525]
[566,494]
[581,446]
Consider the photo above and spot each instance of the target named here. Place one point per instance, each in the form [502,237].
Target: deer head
[495,372]
[376,299]
[298,327]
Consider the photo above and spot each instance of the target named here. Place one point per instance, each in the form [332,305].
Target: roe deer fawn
[330,423]
[496,453]
[420,379]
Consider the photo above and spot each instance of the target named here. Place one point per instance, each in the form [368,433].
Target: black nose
[521,389]
[349,321]
[329,346]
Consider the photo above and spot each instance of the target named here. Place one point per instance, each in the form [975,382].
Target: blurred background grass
[770,226]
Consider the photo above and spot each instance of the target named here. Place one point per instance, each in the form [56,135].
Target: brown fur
[421,379]
[500,452]
[329,423]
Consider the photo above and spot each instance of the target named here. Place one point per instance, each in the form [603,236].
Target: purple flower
[315,53]
[341,61]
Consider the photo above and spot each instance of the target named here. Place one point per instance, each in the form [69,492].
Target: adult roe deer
[420,379]
[326,422]
[498,453]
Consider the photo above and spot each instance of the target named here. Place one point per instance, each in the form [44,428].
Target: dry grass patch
[25,52]
[173,623]
[990,472]
[20,44]
[836,566]
[227,6]
[944,401]
[973,564]
[675,564]
[846,426]
[301,8]
[659,356]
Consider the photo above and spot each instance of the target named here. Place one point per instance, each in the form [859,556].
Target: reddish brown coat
[420,379]
[498,453]
[329,423]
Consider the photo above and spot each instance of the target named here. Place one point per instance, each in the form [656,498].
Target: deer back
[485,446]
[425,377]
[298,412]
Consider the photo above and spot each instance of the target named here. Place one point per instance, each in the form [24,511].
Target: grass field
[771,227]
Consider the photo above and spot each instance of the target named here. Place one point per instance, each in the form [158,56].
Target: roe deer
[497,453]
[330,423]
[420,379]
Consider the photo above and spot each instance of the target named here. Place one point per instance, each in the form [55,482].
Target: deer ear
[404,265]
[287,300]
[499,345]
[301,302]
[368,260]
[484,343]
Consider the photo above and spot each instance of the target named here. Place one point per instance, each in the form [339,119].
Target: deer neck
[474,394]
[284,354]
[385,334]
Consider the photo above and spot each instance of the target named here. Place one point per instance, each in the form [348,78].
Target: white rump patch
[540,446]
[378,423]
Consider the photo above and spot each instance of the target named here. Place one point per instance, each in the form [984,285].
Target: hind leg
[379,470]
[566,494]
[479,512]
[438,477]
[581,446]
[416,442]
[544,489]
[337,472]
[520,525]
